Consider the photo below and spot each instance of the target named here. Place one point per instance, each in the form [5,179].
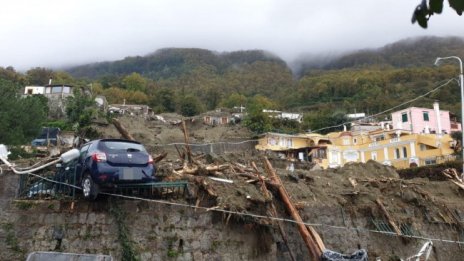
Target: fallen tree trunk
[124,133]
[389,218]
[310,236]
[273,211]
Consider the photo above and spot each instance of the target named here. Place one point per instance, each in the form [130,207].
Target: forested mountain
[207,76]
[369,80]
[191,81]
[173,63]
[413,52]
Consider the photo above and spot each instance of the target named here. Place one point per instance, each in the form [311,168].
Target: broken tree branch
[315,248]
[389,218]
[186,139]
[121,129]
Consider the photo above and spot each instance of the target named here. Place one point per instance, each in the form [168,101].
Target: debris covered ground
[241,185]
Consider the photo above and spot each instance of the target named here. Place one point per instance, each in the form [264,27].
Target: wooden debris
[452,175]
[186,139]
[121,129]
[353,182]
[389,218]
[309,236]
[159,157]
[273,211]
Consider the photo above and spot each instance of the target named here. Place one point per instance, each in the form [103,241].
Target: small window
[346,141]
[404,117]
[397,153]
[405,152]
[66,89]
[430,161]
[56,89]
[355,141]
[426,116]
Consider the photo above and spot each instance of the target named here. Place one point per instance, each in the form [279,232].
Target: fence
[218,148]
[53,184]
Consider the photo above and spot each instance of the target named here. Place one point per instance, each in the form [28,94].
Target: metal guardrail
[34,187]
[62,185]
[171,189]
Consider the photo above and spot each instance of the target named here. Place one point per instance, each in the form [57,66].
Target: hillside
[174,62]
[411,52]
[192,81]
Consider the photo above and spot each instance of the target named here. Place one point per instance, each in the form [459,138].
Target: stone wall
[152,231]
[157,232]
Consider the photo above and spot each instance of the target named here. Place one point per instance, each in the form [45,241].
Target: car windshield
[119,146]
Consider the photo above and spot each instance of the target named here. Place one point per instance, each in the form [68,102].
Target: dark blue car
[105,163]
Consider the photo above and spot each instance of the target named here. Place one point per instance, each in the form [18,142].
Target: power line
[392,108]
[205,144]
[358,229]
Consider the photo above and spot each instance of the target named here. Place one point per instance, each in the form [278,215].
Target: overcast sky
[54,33]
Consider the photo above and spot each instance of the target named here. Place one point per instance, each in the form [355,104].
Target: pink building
[423,120]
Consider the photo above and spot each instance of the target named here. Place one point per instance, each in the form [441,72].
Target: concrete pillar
[413,149]
[363,160]
[436,108]
[385,153]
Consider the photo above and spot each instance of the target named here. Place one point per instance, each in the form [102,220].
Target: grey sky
[53,33]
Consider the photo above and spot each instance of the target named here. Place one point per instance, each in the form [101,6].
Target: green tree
[190,105]
[21,119]
[325,121]
[79,109]
[164,100]
[234,100]
[135,82]
[258,122]
[39,76]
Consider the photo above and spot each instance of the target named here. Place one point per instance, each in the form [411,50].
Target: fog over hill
[410,52]
[169,62]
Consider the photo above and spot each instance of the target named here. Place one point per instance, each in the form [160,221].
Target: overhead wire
[258,216]
[390,109]
[29,171]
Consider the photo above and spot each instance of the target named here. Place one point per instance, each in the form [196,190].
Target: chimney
[436,108]
[50,81]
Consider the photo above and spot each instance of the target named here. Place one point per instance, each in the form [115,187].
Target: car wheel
[89,188]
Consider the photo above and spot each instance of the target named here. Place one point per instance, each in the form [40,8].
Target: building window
[374,155]
[430,161]
[423,147]
[355,141]
[426,116]
[397,153]
[56,89]
[405,152]
[404,117]
[346,141]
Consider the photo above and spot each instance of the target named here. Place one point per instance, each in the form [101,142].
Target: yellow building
[398,148]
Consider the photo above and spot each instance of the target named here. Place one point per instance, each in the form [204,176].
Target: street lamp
[461,82]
